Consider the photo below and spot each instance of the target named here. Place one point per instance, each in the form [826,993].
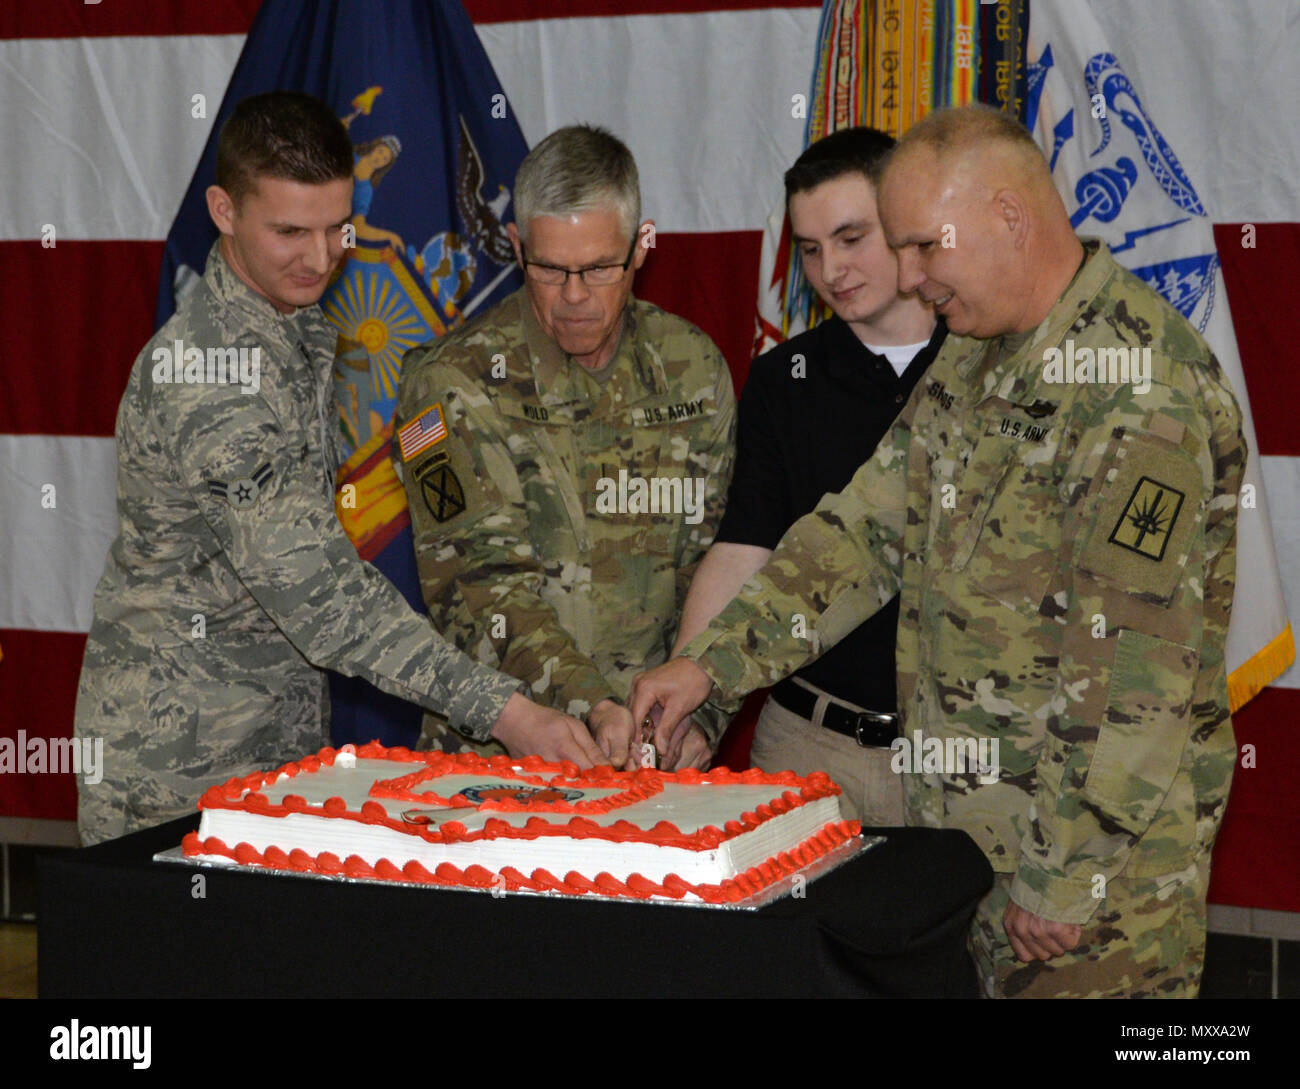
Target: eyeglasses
[592,275]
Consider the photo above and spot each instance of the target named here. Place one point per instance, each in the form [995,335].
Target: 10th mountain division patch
[441,489]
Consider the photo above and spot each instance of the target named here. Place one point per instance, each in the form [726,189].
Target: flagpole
[474,303]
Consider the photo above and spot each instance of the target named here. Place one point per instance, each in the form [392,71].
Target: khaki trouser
[784,741]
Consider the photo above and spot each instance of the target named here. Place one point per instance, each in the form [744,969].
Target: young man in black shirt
[811,412]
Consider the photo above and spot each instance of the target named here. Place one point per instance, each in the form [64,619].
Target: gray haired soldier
[566,456]
[1065,543]
[231,585]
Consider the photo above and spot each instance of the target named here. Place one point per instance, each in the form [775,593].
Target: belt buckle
[873,718]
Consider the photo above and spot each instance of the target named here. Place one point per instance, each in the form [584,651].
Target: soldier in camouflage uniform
[516,433]
[231,585]
[1065,551]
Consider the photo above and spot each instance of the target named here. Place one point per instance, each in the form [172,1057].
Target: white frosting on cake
[688,807]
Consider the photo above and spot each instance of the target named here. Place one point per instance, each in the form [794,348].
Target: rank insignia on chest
[1148,518]
[422,432]
[441,489]
[245,492]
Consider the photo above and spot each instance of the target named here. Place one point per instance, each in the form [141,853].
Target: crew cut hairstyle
[958,129]
[577,169]
[281,134]
[857,150]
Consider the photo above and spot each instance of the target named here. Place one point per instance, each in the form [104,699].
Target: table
[115,924]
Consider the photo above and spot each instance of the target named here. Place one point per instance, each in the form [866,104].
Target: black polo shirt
[801,437]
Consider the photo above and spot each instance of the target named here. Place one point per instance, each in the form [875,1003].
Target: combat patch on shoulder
[424,431]
[1148,519]
[441,489]
[1149,511]
[244,492]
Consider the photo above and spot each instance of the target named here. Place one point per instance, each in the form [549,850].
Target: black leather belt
[870,729]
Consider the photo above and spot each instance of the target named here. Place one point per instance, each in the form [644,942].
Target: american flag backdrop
[102,124]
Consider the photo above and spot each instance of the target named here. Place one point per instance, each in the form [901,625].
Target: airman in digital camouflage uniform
[566,456]
[1065,550]
[231,585]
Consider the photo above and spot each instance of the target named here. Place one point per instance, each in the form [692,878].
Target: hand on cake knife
[647,755]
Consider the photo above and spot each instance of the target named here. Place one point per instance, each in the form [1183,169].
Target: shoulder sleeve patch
[427,429]
[440,489]
[1148,518]
[1149,509]
[446,489]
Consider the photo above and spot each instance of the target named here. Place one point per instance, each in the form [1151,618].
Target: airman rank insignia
[441,489]
[1148,518]
[245,492]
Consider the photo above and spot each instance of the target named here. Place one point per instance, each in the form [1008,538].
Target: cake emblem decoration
[497,792]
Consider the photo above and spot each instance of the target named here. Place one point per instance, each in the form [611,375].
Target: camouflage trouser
[436,733]
[1146,940]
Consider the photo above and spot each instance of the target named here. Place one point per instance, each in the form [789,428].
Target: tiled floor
[18,923]
[1236,965]
[17,960]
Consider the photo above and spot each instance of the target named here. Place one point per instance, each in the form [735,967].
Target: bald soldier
[566,457]
[1064,540]
[231,586]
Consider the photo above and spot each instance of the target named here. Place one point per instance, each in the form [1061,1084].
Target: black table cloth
[114,923]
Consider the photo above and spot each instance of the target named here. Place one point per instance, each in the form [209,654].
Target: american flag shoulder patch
[422,432]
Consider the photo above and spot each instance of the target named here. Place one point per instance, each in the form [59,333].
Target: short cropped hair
[962,128]
[857,150]
[281,134]
[577,169]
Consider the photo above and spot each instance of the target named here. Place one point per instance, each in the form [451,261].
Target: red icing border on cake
[753,880]
[230,795]
[644,783]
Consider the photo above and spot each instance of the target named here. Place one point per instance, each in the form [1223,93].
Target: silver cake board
[787,886]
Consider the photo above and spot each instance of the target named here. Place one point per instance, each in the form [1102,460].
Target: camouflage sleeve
[271,509]
[833,569]
[1152,513]
[714,460]
[479,573]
